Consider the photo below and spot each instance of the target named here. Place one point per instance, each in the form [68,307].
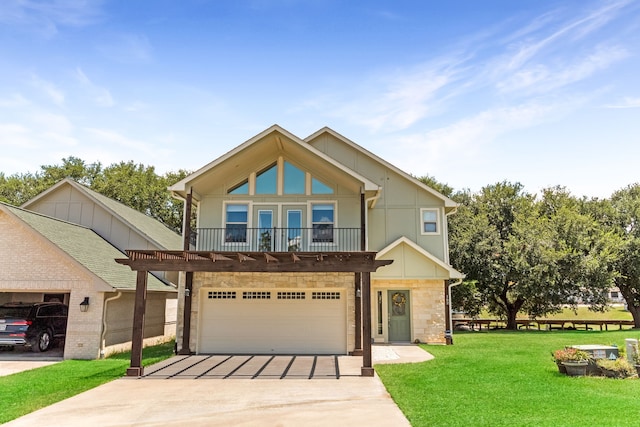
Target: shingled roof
[152,229]
[87,248]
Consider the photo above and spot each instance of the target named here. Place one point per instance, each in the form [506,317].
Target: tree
[624,218]
[134,185]
[527,255]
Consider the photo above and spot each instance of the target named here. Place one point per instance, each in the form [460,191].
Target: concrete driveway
[22,359]
[238,401]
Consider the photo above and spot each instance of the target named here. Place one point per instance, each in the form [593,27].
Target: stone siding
[427,307]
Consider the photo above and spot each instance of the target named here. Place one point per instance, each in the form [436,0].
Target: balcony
[240,238]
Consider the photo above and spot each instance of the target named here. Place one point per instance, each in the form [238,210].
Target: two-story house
[307,246]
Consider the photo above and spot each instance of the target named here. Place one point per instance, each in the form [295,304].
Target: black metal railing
[321,238]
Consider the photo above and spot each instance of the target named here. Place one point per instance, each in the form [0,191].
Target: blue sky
[471,92]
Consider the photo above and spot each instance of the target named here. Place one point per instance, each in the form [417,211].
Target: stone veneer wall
[427,307]
[265,281]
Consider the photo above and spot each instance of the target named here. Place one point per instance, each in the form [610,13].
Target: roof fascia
[453,273]
[448,203]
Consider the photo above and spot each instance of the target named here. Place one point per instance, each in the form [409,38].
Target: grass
[505,378]
[28,391]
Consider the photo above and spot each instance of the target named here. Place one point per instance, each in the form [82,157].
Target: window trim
[423,222]
[225,205]
[310,220]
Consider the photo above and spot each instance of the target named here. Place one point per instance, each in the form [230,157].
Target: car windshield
[20,312]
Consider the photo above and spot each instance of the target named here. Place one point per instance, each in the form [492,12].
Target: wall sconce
[358,293]
[84,305]
[187,292]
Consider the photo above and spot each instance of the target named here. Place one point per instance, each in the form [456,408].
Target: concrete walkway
[350,400]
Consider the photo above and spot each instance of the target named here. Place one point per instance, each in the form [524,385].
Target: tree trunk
[629,296]
[635,313]
[512,314]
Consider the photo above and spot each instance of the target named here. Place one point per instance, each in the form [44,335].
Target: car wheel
[43,342]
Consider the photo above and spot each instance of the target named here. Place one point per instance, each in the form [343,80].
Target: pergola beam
[256,262]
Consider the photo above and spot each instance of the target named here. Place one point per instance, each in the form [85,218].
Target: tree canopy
[134,185]
[521,253]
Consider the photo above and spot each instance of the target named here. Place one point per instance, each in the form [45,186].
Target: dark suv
[32,324]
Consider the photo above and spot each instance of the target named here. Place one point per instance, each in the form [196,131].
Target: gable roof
[453,273]
[449,204]
[149,228]
[182,187]
[86,248]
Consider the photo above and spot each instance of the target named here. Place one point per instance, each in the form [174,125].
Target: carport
[361,264]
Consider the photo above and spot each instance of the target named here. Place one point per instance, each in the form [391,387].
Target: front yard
[495,378]
[503,378]
[29,391]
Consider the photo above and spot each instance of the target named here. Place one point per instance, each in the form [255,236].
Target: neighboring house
[120,225]
[45,258]
[283,257]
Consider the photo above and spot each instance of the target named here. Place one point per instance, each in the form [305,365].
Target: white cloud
[15,100]
[626,102]
[46,16]
[128,48]
[101,96]
[49,89]
[542,78]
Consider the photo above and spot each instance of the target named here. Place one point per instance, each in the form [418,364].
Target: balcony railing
[235,237]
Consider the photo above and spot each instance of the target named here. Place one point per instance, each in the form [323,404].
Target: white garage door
[273,322]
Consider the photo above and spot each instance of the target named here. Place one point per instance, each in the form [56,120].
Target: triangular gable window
[267,180]
[242,188]
[319,187]
[293,180]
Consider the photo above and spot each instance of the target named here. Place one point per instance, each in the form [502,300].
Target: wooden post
[367,365]
[135,369]
[188,285]
[448,333]
[186,315]
[357,351]
[186,222]
[358,279]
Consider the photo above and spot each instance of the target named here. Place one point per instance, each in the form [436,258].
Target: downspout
[448,334]
[104,322]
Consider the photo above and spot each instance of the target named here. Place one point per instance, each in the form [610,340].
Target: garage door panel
[231,324]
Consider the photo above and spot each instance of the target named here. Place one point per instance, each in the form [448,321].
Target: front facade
[311,198]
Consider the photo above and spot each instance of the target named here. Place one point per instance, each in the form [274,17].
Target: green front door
[399,316]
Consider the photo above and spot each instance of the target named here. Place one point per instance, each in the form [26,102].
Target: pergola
[362,264]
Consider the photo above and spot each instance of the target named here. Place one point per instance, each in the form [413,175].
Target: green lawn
[29,391]
[508,378]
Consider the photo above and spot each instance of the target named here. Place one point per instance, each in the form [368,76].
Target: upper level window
[322,222]
[267,180]
[281,177]
[319,187]
[242,188]
[236,220]
[429,221]
[294,179]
